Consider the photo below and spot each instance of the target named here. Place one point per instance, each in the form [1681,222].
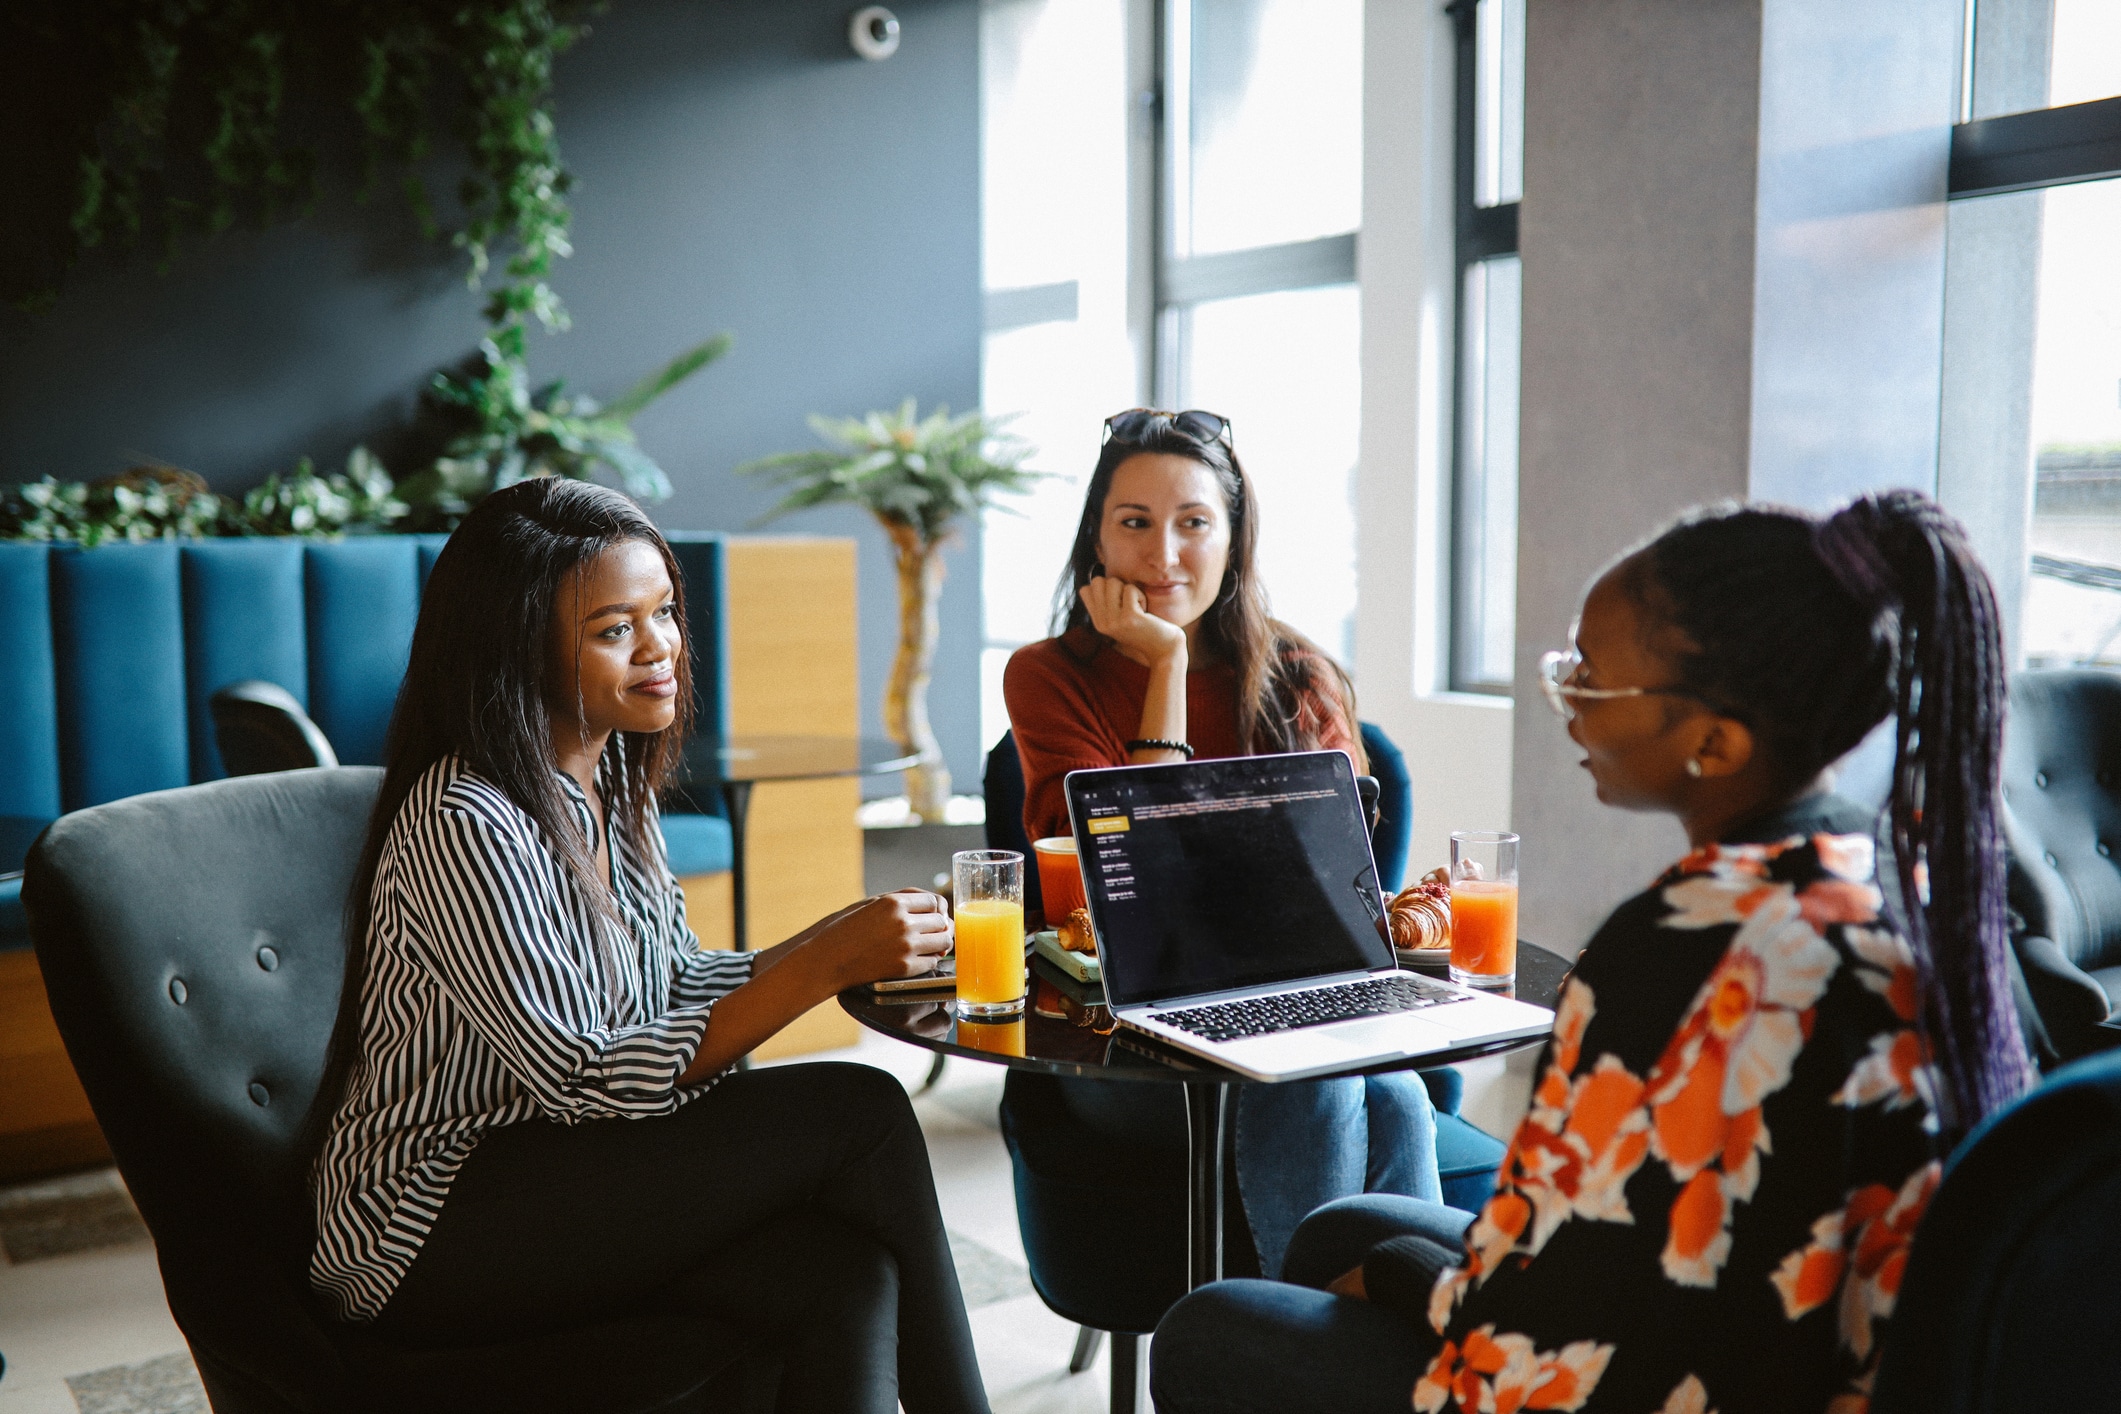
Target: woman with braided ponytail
[1757,1063]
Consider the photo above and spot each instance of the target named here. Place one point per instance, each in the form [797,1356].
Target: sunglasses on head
[1135,424]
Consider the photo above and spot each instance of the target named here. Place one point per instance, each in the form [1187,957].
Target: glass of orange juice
[1483,908]
[988,888]
[1060,877]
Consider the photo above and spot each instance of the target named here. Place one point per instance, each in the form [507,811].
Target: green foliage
[496,431]
[147,503]
[304,503]
[187,130]
[164,503]
[916,473]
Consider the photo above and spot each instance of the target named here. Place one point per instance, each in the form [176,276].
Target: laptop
[1238,918]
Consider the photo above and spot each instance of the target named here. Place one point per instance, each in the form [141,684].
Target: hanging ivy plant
[190,127]
[184,125]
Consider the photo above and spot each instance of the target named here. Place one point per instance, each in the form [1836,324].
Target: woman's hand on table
[900,934]
[1120,611]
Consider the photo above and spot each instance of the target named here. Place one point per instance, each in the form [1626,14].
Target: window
[1257,318]
[1490,183]
[1055,162]
[1212,161]
[2045,75]
[2073,595]
[2085,50]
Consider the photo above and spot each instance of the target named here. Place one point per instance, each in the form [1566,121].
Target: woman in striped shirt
[538,1125]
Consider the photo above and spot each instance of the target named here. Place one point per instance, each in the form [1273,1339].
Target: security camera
[873,31]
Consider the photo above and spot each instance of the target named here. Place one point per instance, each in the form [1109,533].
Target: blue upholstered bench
[108,657]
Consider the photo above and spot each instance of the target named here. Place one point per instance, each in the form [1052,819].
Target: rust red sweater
[1076,701]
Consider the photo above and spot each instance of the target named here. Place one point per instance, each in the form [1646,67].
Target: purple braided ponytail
[1811,631]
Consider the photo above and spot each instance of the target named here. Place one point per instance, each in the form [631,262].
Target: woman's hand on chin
[901,934]
[1120,612]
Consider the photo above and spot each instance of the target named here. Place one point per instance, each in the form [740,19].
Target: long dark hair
[1282,676]
[1810,631]
[477,687]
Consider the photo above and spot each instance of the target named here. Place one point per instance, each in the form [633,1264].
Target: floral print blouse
[1708,1205]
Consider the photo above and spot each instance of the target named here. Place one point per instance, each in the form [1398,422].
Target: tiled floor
[86,1331]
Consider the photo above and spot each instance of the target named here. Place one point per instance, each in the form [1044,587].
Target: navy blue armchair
[2007,1303]
[2062,817]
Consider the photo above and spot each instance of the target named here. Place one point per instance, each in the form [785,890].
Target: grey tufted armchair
[2062,793]
[191,942]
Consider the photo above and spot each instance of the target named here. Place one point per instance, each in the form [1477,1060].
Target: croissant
[1076,934]
[1421,913]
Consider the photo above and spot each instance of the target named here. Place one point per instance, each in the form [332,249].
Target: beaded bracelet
[1153,744]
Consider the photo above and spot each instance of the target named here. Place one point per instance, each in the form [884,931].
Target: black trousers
[795,1201]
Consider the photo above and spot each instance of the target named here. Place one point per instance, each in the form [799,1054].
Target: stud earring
[1693,767]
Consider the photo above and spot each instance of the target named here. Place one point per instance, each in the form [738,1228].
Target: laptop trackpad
[1385,1035]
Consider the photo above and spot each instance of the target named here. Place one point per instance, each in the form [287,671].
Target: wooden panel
[38,1153]
[792,647]
[806,862]
[45,1121]
[707,909]
[805,855]
[792,660]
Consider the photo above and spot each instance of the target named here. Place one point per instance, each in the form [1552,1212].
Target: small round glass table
[1062,1032]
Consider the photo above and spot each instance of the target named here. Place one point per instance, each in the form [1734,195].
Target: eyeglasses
[1556,670]
[1135,423]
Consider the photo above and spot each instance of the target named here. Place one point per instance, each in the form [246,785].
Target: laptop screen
[1209,875]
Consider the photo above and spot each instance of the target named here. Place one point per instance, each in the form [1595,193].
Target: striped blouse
[487,1001]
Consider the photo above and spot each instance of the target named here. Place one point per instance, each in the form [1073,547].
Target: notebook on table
[1238,918]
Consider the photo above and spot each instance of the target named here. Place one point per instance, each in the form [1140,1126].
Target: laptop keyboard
[1290,1011]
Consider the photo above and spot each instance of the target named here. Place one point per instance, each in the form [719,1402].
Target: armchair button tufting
[2052,862]
[178,991]
[2106,851]
[259,1094]
[2040,779]
[268,959]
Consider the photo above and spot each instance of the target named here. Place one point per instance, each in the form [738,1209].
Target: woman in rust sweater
[1166,652]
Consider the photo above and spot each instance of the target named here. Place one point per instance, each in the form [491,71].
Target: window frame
[1479,234]
[1180,282]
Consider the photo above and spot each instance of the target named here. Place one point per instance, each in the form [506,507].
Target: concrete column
[1733,239]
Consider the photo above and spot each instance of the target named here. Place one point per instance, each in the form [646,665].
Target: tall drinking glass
[988,886]
[1483,908]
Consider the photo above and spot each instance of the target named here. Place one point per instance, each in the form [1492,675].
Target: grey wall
[739,169]
[1734,249]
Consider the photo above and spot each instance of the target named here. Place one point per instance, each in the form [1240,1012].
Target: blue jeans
[1304,1144]
[1268,1347]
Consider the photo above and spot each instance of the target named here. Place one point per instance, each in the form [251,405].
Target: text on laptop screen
[1212,875]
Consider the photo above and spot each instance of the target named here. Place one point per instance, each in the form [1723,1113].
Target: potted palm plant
[917,476]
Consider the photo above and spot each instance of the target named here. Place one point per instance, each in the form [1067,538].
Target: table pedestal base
[1207,1106]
